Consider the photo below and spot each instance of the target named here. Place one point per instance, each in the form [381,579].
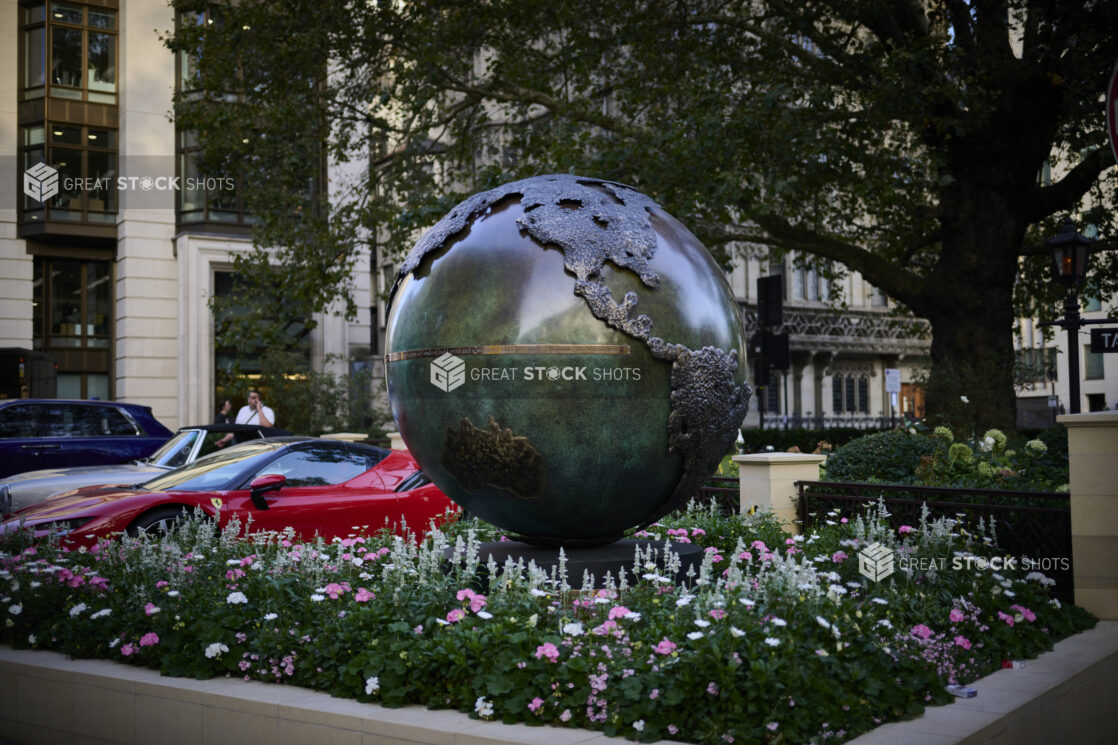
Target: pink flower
[477,602]
[712,689]
[838,557]
[1006,617]
[745,556]
[1028,614]
[336,590]
[844,521]
[535,704]
[151,609]
[363,596]
[618,611]
[717,614]
[962,641]
[664,647]
[698,531]
[549,651]
[905,529]
[759,545]
[455,615]
[128,650]
[149,639]
[465,594]
[161,583]
[655,694]
[922,631]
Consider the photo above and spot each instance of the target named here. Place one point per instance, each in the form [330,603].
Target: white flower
[15,610]
[236,598]
[484,615]
[31,639]
[695,635]
[572,629]
[372,685]
[879,601]
[215,650]
[358,561]
[34,585]
[964,399]
[483,708]
[833,576]
[77,610]
[837,589]
[772,641]
[632,616]
[736,632]
[102,613]
[884,622]
[778,621]
[114,642]
[987,444]
[271,616]
[173,594]
[537,593]
[684,600]
[232,562]
[639,725]
[1010,594]
[702,624]
[746,602]
[823,622]
[318,598]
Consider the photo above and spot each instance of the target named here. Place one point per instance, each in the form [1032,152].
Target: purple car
[53,433]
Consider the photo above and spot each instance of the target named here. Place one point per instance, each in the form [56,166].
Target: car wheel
[159,521]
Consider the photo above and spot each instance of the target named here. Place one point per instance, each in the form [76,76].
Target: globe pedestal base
[615,558]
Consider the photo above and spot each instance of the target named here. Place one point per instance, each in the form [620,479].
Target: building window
[1034,365]
[209,197]
[878,299]
[72,320]
[807,284]
[69,51]
[849,394]
[1096,402]
[1091,304]
[86,160]
[1092,364]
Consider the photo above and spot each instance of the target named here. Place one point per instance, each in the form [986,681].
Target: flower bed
[775,639]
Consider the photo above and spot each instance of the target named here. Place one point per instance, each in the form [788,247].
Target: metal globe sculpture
[565,359]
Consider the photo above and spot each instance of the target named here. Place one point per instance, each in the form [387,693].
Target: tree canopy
[905,140]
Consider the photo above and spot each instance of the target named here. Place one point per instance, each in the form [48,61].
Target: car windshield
[176,451]
[217,471]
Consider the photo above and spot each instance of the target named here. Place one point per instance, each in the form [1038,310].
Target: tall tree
[902,139]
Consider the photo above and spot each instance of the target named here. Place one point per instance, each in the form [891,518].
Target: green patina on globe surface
[565,360]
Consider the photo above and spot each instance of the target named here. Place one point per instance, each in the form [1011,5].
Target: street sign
[1104,340]
[1112,112]
[892,380]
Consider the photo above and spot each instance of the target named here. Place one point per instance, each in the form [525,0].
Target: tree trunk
[969,303]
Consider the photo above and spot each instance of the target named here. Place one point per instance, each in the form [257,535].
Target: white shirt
[249,416]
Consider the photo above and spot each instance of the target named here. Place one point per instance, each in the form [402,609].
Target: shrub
[889,457]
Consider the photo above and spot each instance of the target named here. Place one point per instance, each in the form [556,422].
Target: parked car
[188,444]
[51,433]
[324,487]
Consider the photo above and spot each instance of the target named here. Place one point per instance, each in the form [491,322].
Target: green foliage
[313,402]
[457,97]
[918,457]
[749,647]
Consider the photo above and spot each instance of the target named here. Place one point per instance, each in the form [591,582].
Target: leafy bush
[935,458]
[749,648]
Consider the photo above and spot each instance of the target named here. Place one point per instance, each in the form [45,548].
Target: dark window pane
[69,165]
[849,393]
[34,14]
[836,394]
[66,51]
[62,134]
[102,171]
[99,297]
[102,18]
[101,138]
[34,58]
[1092,364]
[102,62]
[66,298]
[18,421]
[863,395]
[62,13]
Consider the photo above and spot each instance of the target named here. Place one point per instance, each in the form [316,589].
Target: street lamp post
[1070,250]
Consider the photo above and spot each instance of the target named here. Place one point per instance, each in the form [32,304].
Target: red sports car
[323,487]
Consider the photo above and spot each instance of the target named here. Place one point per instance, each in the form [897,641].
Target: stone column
[1092,448]
[768,481]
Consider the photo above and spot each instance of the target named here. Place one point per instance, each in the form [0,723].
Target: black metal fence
[1033,527]
[725,491]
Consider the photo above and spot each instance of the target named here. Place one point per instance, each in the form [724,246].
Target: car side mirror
[261,485]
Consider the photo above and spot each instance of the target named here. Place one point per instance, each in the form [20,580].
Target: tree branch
[1063,194]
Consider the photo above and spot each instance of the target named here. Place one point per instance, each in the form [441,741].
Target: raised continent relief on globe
[565,359]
